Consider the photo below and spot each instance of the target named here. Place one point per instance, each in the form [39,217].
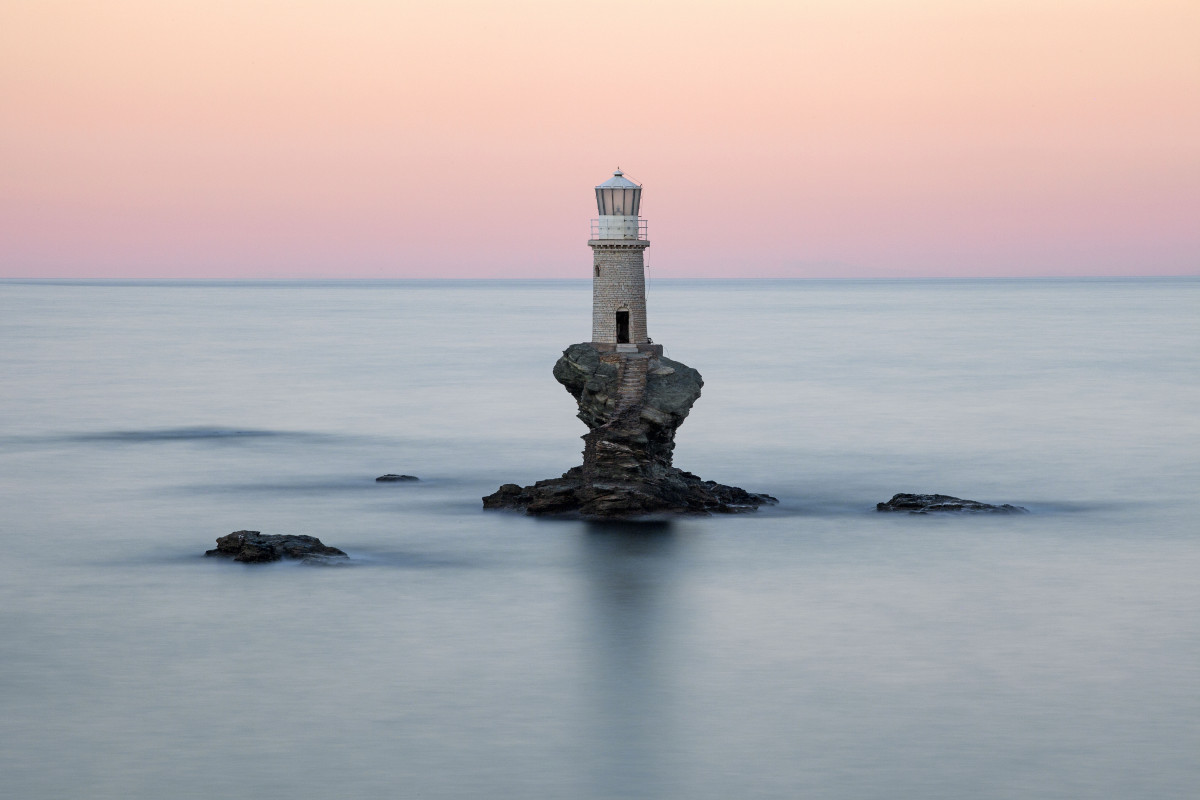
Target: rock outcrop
[632,403]
[252,547]
[944,503]
[392,478]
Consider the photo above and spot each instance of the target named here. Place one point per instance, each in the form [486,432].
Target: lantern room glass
[618,201]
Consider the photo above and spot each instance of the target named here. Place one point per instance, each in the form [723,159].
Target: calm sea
[816,649]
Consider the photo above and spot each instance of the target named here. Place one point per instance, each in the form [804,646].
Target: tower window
[597,270]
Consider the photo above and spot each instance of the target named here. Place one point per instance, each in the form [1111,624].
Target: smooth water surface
[816,649]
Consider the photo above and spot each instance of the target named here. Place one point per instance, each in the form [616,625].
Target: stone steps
[631,382]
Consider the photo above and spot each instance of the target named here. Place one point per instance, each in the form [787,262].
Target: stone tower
[618,270]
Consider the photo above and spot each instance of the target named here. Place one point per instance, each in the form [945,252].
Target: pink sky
[462,138]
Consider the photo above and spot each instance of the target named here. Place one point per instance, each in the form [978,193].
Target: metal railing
[619,228]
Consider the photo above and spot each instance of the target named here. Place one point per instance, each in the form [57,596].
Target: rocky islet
[943,504]
[633,404]
[254,547]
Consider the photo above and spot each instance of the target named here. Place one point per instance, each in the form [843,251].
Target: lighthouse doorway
[622,327]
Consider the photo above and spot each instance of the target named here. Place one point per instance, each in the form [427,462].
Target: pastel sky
[462,138]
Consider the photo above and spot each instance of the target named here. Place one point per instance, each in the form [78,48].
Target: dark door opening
[622,327]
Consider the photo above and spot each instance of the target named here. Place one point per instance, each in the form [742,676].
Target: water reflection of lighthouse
[618,270]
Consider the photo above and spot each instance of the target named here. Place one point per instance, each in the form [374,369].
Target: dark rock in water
[252,547]
[390,478]
[632,403]
[944,503]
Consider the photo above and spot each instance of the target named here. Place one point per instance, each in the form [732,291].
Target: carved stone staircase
[631,382]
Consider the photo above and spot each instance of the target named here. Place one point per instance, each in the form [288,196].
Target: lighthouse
[630,395]
[618,245]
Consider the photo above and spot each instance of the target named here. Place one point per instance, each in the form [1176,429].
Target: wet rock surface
[633,404]
[253,547]
[390,478]
[944,504]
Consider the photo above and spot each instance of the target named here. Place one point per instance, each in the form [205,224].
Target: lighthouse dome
[618,196]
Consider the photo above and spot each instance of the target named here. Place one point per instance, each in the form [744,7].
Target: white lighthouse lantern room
[618,243]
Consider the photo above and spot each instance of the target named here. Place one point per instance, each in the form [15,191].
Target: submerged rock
[252,547]
[390,478]
[944,503]
[632,403]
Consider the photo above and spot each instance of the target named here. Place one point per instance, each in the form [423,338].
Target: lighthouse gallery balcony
[614,227]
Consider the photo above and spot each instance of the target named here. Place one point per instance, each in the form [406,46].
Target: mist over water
[815,649]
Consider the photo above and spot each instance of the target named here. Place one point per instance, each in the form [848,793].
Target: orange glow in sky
[462,138]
